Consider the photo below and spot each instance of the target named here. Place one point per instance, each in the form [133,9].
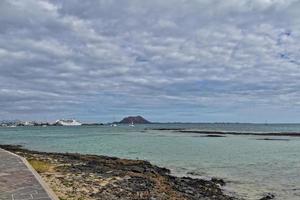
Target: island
[134,120]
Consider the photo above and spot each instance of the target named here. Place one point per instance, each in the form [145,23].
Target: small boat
[113,124]
[131,125]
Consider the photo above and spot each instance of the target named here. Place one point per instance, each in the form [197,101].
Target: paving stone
[41,195]
[17,182]
[5,196]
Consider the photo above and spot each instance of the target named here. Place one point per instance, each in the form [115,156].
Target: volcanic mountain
[135,120]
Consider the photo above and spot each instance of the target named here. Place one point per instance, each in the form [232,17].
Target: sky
[170,60]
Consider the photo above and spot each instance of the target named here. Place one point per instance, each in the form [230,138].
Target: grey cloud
[222,54]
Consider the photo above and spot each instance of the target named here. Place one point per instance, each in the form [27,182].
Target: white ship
[28,124]
[69,122]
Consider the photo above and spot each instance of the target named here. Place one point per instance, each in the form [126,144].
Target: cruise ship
[69,122]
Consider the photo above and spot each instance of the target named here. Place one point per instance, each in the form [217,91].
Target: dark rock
[268,197]
[165,129]
[193,173]
[137,169]
[218,181]
[214,135]
[137,184]
[274,139]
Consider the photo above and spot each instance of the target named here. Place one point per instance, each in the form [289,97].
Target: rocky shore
[90,177]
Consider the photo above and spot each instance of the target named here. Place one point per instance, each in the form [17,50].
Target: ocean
[250,167]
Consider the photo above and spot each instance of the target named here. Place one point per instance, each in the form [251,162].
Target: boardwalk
[19,182]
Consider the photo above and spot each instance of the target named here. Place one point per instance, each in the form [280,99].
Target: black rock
[268,197]
[210,135]
[218,181]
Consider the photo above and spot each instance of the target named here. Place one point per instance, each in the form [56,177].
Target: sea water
[250,167]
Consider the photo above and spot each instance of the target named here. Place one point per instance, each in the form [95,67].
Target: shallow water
[251,167]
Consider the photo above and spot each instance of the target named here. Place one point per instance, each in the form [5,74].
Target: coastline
[89,177]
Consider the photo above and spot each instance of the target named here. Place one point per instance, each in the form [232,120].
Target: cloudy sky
[170,60]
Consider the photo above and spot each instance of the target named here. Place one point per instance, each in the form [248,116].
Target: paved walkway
[18,181]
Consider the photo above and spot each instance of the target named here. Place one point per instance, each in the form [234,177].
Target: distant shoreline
[7,123]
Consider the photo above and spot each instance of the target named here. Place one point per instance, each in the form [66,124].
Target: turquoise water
[251,167]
